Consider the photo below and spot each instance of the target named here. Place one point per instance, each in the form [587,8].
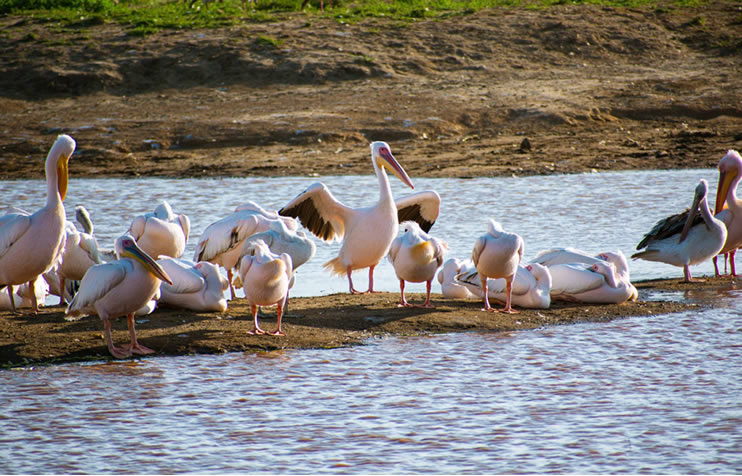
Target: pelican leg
[371,280]
[119,353]
[34,302]
[278,331]
[483,280]
[731,262]
[686,274]
[256,327]
[403,302]
[353,290]
[508,294]
[427,303]
[135,347]
[12,301]
[231,286]
[716,266]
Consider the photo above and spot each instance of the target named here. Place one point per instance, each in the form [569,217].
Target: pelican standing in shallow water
[728,207]
[416,256]
[119,288]
[681,240]
[265,279]
[497,254]
[30,245]
[162,233]
[367,232]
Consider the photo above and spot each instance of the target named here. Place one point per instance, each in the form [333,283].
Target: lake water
[658,394]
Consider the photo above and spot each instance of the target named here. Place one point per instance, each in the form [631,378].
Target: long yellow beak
[150,264]
[389,162]
[62,176]
[725,181]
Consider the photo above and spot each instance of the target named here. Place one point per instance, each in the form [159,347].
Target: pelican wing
[186,278]
[556,256]
[12,227]
[224,235]
[422,207]
[667,227]
[574,279]
[98,281]
[319,211]
[185,225]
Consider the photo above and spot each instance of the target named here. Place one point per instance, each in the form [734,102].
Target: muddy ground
[591,88]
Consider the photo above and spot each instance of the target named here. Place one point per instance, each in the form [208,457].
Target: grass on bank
[147,16]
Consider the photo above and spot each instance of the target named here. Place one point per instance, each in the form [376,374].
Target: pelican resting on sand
[683,240]
[30,244]
[728,207]
[556,256]
[531,285]
[595,283]
[161,233]
[222,242]
[497,254]
[416,256]
[119,288]
[265,279]
[196,286]
[22,296]
[366,233]
[451,287]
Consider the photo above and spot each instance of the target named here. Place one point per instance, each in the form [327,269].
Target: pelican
[281,239]
[416,256]
[530,289]
[366,233]
[451,287]
[265,278]
[22,296]
[162,233]
[556,256]
[597,283]
[222,242]
[31,244]
[119,288]
[730,167]
[196,286]
[497,254]
[681,240]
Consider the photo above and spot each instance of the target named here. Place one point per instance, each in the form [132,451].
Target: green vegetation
[142,17]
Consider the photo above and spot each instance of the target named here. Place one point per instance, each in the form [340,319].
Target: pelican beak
[725,181]
[150,264]
[62,175]
[691,216]
[391,163]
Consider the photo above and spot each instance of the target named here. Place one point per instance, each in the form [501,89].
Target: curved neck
[732,200]
[385,190]
[703,207]
[52,183]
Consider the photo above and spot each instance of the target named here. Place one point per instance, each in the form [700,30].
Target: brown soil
[591,88]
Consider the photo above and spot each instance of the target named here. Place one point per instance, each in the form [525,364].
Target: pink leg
[350,282]
[231,288]
[508,293]
[731,262]
[12,301]
[278,331]
[119,353]
[686,274]
[135,346]
[34,302]
[403,302]
[427,303]
[483,280]
[256,327]
[371,280]
[716,266]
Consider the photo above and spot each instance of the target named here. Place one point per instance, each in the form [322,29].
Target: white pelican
[451,287]
[416,256]
[556,256]
[162,233]
[22,296]
[31,244]
[265,280]
[281,239]
[196,286]
[367,232]
[221,242]
[596,283]
[497,254]
[728,207]
[681,240]
[119,288]
[530,289]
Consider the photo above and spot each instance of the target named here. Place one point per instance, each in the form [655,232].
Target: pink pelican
[497,254]
[531,285]
[222,242]
[162,233]
[556,256]
[31,244]
[119,288]
[728,207]
[452,288]
[596,283]
[196,286]
[416,256]
[367,232]
[681,240]
[265,278]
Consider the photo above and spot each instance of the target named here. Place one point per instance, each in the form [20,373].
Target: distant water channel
[658,394]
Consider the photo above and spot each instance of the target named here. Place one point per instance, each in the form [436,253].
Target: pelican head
[541,273]
[57,159]
[729,171]
[608,271]
[383,159]
[494,228]
[126,247]
[410,226]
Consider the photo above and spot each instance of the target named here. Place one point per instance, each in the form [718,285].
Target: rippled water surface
[657,394]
